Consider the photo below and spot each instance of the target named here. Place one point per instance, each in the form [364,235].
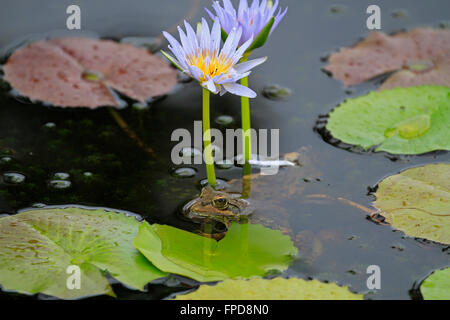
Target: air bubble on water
[49,125]
[184,172]
[88,174]
[60,184]
[61,176]
[190,152]
[224,164]
[220,184]
[224,120]
[38,205]
[13,177]
[5,159]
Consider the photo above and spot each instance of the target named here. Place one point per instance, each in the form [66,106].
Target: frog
[217,206]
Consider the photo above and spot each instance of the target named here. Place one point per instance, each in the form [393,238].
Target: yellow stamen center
[210,64]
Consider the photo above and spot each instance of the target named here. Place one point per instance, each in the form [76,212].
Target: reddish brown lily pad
[437,74]
[380,53]
[55,71]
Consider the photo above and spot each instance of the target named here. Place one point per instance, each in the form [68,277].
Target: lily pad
[275,289]
[77,72]
[380,53]
[412,120]
[417,201]
[437,285]
[37,247]
[247,250]
[431,72]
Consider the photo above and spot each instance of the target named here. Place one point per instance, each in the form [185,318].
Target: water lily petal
[239,90]
[246,66]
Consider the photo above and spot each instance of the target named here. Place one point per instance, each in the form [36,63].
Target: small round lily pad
[275,289]
[437,285]
[411,120]
[417,201]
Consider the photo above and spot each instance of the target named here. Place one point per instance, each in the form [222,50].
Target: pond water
[61,156]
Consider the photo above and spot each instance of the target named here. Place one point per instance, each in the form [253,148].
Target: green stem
[245,114]
[207,140]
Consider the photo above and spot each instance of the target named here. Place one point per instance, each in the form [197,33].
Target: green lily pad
[247,250]
[417,201]
[37,247]
[437,285]
[275,289]
[411,120]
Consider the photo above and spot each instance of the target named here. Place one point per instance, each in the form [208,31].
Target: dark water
[125,176]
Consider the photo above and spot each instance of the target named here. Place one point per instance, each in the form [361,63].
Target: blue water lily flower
[257,21]
[200,57]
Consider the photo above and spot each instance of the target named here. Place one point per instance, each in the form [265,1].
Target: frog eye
[220,202]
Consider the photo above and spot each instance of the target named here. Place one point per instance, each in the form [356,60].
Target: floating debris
[338,9]
[150,43]
[399,13]
[276,92]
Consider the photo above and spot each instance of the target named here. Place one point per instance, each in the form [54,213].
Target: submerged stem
[207,140]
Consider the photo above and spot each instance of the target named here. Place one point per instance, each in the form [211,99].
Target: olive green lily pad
[417,201]
[411,120]
[437,285]
[275,289]
[247,250]
[37,247]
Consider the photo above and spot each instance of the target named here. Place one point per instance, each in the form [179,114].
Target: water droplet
[60,184]
[224,164]
[50,125]
[185,172]
[224,120]
[13,177]
[93,76]
[61,176]
[420,66]
[220,184]
[276,92]
[410,128]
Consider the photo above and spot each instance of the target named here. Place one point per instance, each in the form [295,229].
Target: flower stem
[207,140]
[245,114]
